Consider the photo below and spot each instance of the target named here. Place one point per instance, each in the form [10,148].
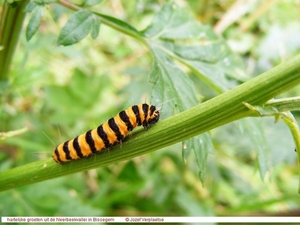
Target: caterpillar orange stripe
[107,134]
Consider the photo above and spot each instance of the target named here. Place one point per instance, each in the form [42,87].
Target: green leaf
[170,85]
[201,145]
[30,7]
[175,34]
[256,134]
[77,28]
[95,27]
[169,19]
[176,24]
[113,21]
[196,46]
[34,22]
[219,68]
[173,87]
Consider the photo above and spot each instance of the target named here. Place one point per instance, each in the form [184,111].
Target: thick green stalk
[220,110]
[10,27]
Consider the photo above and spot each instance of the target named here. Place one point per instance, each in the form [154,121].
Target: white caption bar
[19,219]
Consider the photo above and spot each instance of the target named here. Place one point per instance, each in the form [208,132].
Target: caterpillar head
[153,117]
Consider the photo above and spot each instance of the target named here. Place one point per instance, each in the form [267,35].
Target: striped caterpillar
[106,135]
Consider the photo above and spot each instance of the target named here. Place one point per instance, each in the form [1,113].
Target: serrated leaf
[255,131]
[95,27]
[201,145]
[174,34]
[77,28]
[34,22]
[168,18]
[197,46]
[174,23]
[171,86]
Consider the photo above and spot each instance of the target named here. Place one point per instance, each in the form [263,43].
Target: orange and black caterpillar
[107,134]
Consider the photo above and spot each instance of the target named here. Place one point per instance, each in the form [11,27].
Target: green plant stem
[10,27]
[291,122]
[220,110]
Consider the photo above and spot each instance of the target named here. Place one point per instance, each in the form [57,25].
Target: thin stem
[10,27]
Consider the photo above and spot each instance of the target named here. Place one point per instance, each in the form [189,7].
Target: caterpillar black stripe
[107,134]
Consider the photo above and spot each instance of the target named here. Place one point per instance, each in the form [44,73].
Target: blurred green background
[59,92]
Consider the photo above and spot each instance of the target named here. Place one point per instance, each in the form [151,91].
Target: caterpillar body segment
[106,135]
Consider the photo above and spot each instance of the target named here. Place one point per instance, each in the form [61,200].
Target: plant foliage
[65,83]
